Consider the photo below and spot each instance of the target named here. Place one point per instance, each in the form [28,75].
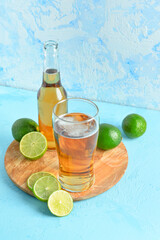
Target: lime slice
[44,186]
[35,176]
[33,145]
[60,203]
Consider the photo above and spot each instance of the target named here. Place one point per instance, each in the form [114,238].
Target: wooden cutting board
[109,167]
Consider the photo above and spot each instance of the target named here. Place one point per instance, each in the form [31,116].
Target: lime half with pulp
[35,176]
[60,203]
[33,145]
[45,186]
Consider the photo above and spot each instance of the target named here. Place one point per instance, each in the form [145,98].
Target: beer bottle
[50,92]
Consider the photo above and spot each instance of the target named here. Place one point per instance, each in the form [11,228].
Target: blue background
[109,50]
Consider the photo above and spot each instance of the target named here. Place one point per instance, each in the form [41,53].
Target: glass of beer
[76,134]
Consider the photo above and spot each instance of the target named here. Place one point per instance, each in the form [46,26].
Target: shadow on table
[30,201]
[36,204]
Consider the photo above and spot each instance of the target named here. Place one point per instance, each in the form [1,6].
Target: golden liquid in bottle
[49,94]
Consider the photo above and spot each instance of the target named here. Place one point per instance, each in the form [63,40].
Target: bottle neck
[51,73]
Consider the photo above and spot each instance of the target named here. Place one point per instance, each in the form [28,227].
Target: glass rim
[81,99]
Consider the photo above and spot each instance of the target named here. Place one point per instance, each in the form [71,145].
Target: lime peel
[23,126]
[109,136]
[134,125]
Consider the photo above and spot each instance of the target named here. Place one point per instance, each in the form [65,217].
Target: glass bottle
[50,92]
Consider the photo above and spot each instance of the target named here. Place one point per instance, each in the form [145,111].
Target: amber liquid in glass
[49,94]
[76,145]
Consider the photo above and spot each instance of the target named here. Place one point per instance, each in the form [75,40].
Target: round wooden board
[109,167]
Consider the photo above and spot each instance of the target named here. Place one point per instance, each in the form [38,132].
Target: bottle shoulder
[50,94]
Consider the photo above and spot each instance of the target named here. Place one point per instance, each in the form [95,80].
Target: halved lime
[44,186]
[33,145]
[35,176]
[60,203]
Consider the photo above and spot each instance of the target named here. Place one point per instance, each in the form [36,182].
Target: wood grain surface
[109,168]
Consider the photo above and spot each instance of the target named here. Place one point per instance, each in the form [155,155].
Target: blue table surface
[129,210]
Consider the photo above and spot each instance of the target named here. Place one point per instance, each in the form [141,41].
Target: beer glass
[76,134]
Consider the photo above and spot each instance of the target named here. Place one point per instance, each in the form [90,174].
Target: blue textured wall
[109,49]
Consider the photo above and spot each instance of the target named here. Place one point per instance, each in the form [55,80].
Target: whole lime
[134,125]
[23,126]
[109,136]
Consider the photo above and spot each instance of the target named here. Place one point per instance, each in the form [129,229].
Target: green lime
[45,186]
[134,125]
[35,176]
[109,136]
[60,203]
[33,145]
[23,126]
